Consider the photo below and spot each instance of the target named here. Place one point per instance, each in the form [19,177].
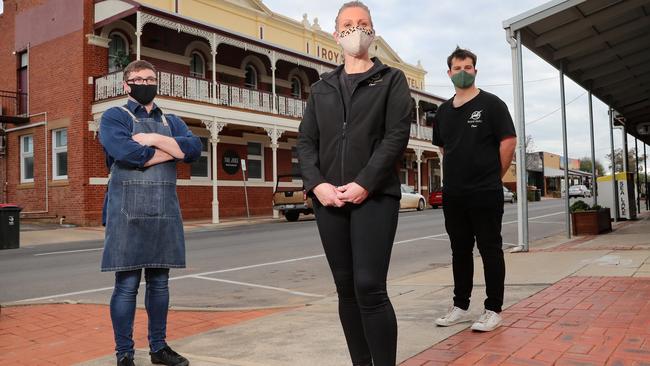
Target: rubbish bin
[9,226]
[538,195]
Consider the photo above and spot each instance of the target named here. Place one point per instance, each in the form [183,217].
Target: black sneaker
[169,357]
[125,361]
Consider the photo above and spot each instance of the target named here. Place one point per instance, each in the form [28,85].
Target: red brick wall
[56,86]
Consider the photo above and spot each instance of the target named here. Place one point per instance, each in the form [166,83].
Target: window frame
[259,158]
[24,155]
[255,75]
[193,73]
[296,79]
[207,154]
[56,150]
[126,48]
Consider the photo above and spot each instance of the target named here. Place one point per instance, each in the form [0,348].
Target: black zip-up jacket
[363,143]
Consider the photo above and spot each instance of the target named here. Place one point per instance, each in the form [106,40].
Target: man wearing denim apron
[144,227]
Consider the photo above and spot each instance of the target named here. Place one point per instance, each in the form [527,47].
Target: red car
[435,198]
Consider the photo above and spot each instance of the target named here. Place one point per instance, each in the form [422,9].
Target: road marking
[69,251]
[534,218]
[245,267]
[259,286]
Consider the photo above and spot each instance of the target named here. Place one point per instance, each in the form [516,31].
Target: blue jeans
[123,302]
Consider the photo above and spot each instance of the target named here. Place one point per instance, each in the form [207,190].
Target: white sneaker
[488,322]
[454,316]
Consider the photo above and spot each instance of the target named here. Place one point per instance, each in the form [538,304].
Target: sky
[430,30]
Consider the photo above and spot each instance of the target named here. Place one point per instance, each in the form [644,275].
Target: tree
[585,166]
[631,159]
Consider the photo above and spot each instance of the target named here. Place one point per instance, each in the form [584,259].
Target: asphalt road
[270,264]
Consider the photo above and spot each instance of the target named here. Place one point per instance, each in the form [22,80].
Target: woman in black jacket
[354,131]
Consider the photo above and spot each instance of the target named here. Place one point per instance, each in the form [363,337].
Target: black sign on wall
[230,162]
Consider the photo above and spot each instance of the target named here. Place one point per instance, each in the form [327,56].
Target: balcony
[200,90]
[13,107]
[421,132]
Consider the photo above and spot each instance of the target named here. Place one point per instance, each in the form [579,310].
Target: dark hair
[136,66]
[461,54]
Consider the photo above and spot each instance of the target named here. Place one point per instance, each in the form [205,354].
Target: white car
[411,199]
[508,196]
[579,190]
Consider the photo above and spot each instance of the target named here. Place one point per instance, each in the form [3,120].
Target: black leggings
[358,240]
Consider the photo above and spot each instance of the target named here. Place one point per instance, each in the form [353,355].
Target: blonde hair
[352,4]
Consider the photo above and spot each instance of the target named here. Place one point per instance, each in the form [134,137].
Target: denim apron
[144,227]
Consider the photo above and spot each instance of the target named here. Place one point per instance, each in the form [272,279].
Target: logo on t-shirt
[475,118]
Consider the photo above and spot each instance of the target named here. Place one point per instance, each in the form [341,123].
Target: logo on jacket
[375,79]
[475,118]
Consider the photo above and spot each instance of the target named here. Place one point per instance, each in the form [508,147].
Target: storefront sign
[230,162]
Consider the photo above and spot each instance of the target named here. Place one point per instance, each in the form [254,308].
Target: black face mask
[143,94]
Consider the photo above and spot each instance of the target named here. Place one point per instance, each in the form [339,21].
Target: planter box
[591,222]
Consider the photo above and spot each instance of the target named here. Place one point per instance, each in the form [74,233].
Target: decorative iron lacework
[215,39]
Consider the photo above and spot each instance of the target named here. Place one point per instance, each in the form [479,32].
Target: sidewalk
[584,301]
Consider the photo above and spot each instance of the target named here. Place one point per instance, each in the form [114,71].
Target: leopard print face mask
[356,40]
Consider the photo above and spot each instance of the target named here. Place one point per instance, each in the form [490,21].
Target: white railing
[421,132]
[200,90]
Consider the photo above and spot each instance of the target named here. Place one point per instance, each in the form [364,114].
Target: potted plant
[589,220]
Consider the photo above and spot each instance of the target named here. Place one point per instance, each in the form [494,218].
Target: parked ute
[291,201]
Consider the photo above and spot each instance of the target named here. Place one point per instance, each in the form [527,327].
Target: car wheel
[292,216]
[421,205]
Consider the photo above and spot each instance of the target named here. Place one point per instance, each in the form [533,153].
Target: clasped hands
[329,195]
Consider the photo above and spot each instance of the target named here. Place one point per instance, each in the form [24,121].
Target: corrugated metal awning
[604,46]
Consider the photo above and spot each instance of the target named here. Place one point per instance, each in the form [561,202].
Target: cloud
[429,30]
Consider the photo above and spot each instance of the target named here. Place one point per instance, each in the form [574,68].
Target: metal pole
[626,162]
[593,151]
[638,182]
[565,151]
[520,123]
[613,162]
[645,180]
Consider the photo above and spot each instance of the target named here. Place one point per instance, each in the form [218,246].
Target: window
[118,54]
[202,167]
[23,82]
[296,87]
[27,159]
[251,77]
[197,65]
[404,176]
[60,154]
[254,162]
[295,164]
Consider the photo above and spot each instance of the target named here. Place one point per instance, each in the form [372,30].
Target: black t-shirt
[349,81]
[471,135]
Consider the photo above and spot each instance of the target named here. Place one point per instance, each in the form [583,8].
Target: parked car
[509,196]
[291,201]
[435,198]
[579,190]
[411,199]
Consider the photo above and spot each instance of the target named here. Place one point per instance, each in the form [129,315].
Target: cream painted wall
[247,17]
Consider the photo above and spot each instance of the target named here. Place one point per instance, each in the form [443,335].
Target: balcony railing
[12,103]
[200,90]
[421,132]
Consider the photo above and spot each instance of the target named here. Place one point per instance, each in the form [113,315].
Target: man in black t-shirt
[476,135]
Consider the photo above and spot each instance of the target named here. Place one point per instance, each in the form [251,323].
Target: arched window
[197,65]
[118,52]
[251,77]
[296,87]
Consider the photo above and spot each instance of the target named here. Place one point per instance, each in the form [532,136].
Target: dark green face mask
[463,79]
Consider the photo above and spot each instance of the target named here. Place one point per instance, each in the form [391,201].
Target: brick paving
[578,321]
[65,334]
